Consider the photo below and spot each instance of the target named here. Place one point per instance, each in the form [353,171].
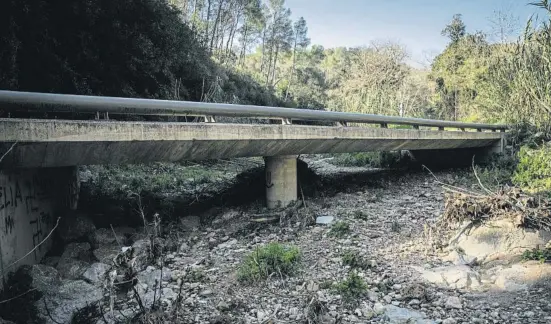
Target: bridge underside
[56,143]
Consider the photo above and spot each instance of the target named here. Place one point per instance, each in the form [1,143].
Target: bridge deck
[53,143]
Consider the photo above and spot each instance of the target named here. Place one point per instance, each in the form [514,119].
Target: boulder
[43,277]
[59,303]
[96,273]
[72,268]
[107,253]
[497,239]
[80,251]
[457,277]
[108,236]
[522,276]
[74,226]
[141,254]
[150,289]
[398,315]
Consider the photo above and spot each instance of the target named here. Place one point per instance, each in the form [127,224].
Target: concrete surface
[30,203]
[281,181]
[54,143]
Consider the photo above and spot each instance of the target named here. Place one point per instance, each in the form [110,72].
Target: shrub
[542,255]
[497,170]
[351,288]
[354,260]
[268,260]
[339,229]
[533,171]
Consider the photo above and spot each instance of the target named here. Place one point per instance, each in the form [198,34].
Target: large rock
[95,274]
[457,277]
[523,276]
[107,236]
[107,253]
[59,303]
[71,268]
[74,226]
[397,315]
[43,277]
[150,287]
[80,251]
[497,239]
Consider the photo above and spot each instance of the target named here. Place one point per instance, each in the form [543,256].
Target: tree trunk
[207,23]
[215,25]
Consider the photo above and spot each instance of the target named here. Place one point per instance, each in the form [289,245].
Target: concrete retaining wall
[31,201]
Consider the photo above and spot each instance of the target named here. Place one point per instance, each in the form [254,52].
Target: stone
[325,220]
[43,277]
[59,303]
[379,308]
[522,276]
[453,302]
[95,274]
[106,236]
[141,255]
[449,321]
[107,253]
[75,225]
[80,251]
[3,321]
[223,306]
[498,239]
[457,277]
[71,268]
[398,315]
[190,223]
[372,296]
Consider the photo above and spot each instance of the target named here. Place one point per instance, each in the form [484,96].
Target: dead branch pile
[509,203]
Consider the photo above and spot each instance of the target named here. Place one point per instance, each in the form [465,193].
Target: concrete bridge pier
[281,180]
[31,201]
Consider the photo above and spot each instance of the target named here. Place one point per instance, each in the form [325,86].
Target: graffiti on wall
[24,207]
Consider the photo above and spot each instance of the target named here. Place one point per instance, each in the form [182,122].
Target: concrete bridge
[38,178]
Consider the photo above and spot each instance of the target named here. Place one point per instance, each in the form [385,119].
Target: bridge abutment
[281,180]
[31,201]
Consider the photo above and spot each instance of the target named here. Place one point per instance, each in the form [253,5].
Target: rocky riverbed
[185,271]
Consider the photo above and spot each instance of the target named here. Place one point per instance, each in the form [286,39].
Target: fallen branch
[8,151]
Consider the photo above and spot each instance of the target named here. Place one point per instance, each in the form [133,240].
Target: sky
[416,24]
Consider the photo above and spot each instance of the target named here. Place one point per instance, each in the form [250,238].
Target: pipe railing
[48,102]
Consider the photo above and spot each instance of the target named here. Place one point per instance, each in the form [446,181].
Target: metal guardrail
[47,102]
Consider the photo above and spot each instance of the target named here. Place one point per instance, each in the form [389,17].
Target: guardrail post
[416,127]
[209,119]
[479,129]
[286,121]
[342,124]
[441,128]
[384,125]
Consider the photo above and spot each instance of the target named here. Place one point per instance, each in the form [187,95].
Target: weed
[359,214]
[268,260]
[339,229]
[542,255]
[354,260]
[351,288]
[395,227]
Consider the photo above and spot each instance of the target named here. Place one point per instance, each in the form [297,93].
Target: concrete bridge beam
[281,180]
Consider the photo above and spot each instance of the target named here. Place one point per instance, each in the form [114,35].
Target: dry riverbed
[379,219]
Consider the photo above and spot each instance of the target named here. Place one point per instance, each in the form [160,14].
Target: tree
[455,30]
[300,42]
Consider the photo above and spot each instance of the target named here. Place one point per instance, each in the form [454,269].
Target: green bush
[533,171]
[351,288]
[268,260]
[497,170]
[339,229]
[354,260]
[542,255]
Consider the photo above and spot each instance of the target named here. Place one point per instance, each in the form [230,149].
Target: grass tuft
[268,260]
[339,229]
